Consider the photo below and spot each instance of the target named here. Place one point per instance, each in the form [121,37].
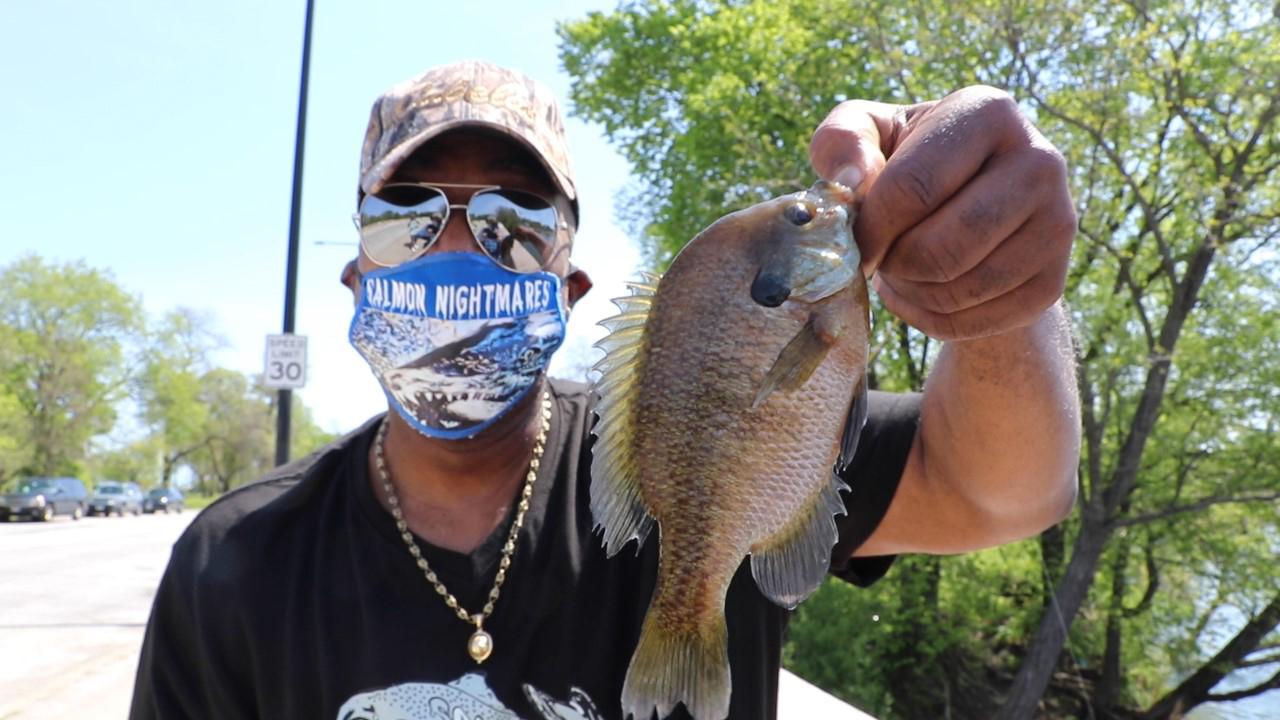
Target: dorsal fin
[615,493]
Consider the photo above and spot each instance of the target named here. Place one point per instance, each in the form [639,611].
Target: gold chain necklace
[480,645]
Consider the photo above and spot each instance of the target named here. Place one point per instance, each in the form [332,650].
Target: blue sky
[155,139]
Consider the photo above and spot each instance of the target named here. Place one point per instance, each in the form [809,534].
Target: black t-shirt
[295,598]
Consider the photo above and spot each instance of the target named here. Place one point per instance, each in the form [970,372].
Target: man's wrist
[1052,326]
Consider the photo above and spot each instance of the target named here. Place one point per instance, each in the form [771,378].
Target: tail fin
[670,667]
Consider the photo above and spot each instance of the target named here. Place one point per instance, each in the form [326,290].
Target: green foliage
[839,640]
[64,330]
[15,453]
[239,431]
[305,435]
[199,501]
[708,109]
[138,461]
[1167,114]
[169,385]
[75,355]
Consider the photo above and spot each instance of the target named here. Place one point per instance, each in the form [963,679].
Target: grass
[200,502]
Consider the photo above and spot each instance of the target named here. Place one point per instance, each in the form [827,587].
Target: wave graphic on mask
[455,340]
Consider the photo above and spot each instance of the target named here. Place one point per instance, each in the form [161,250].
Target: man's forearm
[1000,428]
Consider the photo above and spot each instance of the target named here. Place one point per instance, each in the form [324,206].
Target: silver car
[115,498]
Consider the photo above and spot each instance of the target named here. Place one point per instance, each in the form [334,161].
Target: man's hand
[966,218]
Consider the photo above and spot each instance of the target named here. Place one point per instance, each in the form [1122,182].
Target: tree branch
[1196,506]
[1093,432]
[1153,584]
[1195,689]
[1136,293]
[1257,662]
[1271,684]
[1148,209]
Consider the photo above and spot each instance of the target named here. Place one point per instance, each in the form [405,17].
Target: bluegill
[730,389]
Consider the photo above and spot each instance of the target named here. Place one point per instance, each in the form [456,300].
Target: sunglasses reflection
[514,228]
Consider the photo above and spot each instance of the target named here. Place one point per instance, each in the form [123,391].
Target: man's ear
[351,277]
[578,283]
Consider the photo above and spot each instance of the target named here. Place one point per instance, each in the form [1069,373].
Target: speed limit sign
[286,362]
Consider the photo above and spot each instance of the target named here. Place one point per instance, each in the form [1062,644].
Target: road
[74,599]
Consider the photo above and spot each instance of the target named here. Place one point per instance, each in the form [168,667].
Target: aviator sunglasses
[400,222]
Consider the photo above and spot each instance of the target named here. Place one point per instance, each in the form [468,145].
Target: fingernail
[850,177]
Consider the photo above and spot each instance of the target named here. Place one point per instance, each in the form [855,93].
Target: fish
[732,390]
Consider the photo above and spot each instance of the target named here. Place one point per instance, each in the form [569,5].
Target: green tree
[64,330]
[305,436]
[1167,113]
[177,354]
[138,461]
[1176,181]
[15,453]
[239,434]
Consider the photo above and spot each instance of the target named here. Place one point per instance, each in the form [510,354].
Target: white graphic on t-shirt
[467,698]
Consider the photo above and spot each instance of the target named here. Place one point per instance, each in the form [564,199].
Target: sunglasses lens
[517,229]
[401,222]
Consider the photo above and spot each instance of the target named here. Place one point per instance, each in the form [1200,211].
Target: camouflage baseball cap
[466,93]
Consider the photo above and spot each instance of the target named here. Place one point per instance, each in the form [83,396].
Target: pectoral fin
[797,361]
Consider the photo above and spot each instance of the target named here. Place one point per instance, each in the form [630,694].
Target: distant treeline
[80,361]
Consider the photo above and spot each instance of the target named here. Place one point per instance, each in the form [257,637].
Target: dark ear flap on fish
[615,492]
[853,425]
[798,359]
[789,566]
[770,288]
[772,284]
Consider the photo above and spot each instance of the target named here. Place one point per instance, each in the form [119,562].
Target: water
[1262,707]
[1259,707]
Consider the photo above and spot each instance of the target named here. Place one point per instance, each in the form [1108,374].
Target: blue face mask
[455,339]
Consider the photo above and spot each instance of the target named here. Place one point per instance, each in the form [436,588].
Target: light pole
[284,402]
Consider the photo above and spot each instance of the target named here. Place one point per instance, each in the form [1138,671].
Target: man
[442,563]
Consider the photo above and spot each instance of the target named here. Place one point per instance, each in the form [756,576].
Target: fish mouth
[835,192]
[822,269]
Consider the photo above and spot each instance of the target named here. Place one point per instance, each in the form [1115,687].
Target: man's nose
[456,235]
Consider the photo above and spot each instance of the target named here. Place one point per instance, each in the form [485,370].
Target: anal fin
[789,566]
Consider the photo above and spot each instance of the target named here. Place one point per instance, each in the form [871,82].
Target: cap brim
[377,176]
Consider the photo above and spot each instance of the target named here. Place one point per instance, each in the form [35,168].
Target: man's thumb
[846,147]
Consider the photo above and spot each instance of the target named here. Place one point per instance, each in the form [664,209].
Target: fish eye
[799,213]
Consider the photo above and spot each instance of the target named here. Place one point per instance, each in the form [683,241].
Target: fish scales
[722,420]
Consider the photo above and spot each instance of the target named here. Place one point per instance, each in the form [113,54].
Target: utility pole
[284,403]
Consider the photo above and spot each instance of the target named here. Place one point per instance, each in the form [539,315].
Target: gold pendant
[480,646]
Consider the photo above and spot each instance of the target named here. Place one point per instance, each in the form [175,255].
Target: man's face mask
[456,340]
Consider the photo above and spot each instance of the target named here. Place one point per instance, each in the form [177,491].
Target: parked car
[42,498]
[163,499]
[116,497]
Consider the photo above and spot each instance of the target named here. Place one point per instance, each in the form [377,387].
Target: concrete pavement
[74,600]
